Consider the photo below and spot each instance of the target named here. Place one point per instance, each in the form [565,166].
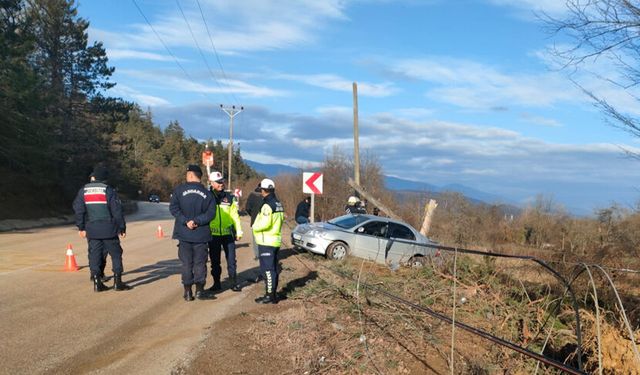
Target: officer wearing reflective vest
[225,230]
[99,218]
[267,232]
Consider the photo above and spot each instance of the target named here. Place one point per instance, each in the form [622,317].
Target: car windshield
[348,221]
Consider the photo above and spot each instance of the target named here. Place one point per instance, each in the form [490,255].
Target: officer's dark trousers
[269,266]
[228,244]
[193,256]
[104,260]
[98,250]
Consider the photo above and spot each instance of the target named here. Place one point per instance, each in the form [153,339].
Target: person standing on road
[193,207]
[303,211]
[353,206]
[100,220]
[103,263]
[225,230]
[267,232]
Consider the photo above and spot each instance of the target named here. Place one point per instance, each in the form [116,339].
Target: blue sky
[450,92]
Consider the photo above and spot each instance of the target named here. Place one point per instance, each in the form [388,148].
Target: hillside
[396,184]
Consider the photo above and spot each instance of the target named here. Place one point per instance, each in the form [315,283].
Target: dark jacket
[98,211]
[354,209]
[254,203]
[303,209]
[191,201]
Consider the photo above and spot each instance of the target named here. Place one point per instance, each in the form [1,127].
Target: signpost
[312,184]
[237,193]
[207,159]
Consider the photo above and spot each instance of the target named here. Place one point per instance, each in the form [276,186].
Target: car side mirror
[360,230]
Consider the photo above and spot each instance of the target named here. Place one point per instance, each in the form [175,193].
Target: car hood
[304,228]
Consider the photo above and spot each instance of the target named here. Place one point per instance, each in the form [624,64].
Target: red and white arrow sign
[312,183]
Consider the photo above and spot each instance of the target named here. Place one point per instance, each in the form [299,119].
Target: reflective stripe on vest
[95,198]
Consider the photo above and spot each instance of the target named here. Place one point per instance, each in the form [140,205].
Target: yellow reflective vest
[227,216]
[267,228]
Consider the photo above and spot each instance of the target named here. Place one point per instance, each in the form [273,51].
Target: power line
[200,50]
[166,47]
[216,53]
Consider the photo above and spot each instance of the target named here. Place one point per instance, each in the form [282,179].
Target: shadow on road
[297,283]
[154,272]
[285,253]
[245,278]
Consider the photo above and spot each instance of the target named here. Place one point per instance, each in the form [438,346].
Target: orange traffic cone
[70,264]
[159,232]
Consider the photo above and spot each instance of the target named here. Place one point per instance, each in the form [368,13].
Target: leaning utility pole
[356,146]
[231,112]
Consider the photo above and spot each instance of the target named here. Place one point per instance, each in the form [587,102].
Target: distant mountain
[474,193]
[395,183]
[272,170]
[392,183]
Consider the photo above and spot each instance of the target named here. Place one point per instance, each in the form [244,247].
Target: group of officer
[206,223]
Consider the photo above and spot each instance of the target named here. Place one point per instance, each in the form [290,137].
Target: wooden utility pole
[373,200]
[429,208]
[356,135]
[231,112]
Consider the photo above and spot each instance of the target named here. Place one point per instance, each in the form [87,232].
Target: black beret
[194,168]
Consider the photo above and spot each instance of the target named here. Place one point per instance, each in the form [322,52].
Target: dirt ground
[54,323]
[316,330]
[322,329]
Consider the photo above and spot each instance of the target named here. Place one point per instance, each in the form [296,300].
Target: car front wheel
[337,250]
[418,261]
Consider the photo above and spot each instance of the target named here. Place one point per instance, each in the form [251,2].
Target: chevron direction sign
[312,183]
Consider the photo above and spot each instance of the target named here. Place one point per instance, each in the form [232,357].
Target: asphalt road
[53,322]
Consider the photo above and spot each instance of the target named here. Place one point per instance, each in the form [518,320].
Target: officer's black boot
[188,293]
[118,284]
[266,293]
[216,285]
[269,298]
[234,284]
[98,286]
[202,294]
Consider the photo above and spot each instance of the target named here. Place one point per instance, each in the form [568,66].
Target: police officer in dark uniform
[99,219]
[354,206]
[193,207]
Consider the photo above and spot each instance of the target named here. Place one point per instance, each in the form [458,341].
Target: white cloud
[476,86]
[121,54]
[337,83]
[176,81]
[144,100]
[530,7]
[539,120]
[600,75]
[481,172]
[256,25]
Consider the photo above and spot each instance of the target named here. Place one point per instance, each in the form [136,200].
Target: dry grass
[616,346]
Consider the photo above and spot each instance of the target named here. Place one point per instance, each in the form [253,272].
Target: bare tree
[603,29]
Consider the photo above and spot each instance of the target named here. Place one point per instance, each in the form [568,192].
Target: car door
[400,252]
[371,240]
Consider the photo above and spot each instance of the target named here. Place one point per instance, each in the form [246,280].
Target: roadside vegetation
[348,328]
[57,123]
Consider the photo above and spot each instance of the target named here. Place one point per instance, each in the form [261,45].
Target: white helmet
[216,176]
[267,184]
[353,200]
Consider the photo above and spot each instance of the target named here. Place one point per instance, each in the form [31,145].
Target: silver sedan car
[365,236]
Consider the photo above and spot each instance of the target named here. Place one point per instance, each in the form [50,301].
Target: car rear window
[348,221]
